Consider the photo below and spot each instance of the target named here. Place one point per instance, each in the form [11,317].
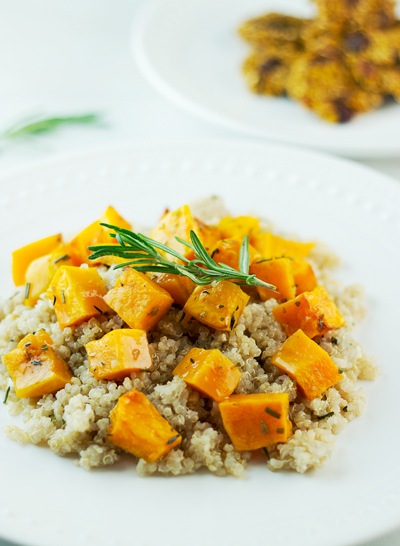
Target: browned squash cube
[278,272]
[138,300]
[227,251]
[179,287]
[313,312]
[258,420]
[304,277]
[137,427]
[237,228]
[272,246]
[22,257]
[35,368]
[77,295]
[119,353]
[210,372]
[218,306]
[303,360]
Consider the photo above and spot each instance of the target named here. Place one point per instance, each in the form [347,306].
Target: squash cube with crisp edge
[257,420]
[278,272]
[138,300]
[119,353]
[35,368]
[77,295]
[308,364]
[218,305]
[210,372]
[137,427]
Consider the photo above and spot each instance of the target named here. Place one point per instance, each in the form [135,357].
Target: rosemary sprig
[142,254]
[40,124]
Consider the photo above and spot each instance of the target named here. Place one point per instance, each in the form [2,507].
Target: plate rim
[179,98]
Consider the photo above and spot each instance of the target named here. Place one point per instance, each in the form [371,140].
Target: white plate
[46,500]
[190,51]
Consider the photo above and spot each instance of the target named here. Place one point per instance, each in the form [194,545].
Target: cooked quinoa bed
[75,420]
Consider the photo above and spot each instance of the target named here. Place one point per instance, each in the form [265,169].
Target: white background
[61,57]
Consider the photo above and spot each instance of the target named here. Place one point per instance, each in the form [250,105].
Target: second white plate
[191,52]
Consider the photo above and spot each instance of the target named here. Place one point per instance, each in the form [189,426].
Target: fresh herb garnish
[27,344]
[272,413]
[40,124]
[97,309]
[13,296]
[264,428]
[142,254]
[6,396]
[326,415]
[334,340]
[172,440]
[37,363]
[183,314]
[27,289]
[266,453]
[44,347]
[61,258]
[54,300]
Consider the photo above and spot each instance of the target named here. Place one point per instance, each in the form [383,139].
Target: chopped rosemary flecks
[44,347]
[334,340]
[153,277]
[102,363]
[6,396]
[214,252]
[142,253]
[340,370]
[280,430]
[27,290]
[266,453]
[297,303]
[221,306]
[272,413]
[97,309]
[13,296]
[319,417]
[63,296]
[154,311]
[36,362]
[264,428]
[183,314]
[192,360]
[345,409]
[233,320]
[61,258]
[27,344]
[321,323]
[54,300]
[172,440]
[205,292]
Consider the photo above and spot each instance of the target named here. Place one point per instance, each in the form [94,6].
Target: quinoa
[75,420]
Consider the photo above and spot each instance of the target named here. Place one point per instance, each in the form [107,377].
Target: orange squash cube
[137,427]
[77,295]
[237,228]
[179,287]
[95,234]
[35,368]
[227,252]
[313,312]
[276,271]
[42,270]
[304,277]
[180,223]
[310,366]
[24,256]
[138,300]
[271,246]
[209,372]
[218,306]
[118,354]
[259,420]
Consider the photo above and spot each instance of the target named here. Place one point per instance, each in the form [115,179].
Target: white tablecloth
[73,56]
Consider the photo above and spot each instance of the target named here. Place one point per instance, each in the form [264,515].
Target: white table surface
[72,57]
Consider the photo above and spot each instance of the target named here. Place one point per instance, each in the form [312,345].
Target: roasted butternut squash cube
[276,271]
[24,256]
[271,246]
[304,277]
[218,306]
[95,234]
[35,368]
[227,252]
[179,287]
[77,295]
[209,372]
[137,427]
[42,270]
[239,227]
[138,300]
[119,353]
[180,223]
[259,420]
[313,312]
[310,366]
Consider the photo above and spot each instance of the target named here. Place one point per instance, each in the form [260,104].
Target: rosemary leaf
[41,124]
